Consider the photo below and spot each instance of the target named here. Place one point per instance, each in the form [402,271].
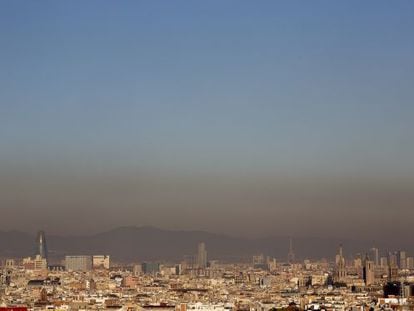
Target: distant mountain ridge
[133,244]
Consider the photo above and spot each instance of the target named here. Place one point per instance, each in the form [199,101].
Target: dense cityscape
[375,280]
[218,155]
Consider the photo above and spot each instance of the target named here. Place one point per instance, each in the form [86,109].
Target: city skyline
[148,243]
[385,257]
[206,155]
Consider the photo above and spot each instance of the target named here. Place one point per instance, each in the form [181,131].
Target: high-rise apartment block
[202,256]
[368,272]
[78,263]
[150,267]
[402,260]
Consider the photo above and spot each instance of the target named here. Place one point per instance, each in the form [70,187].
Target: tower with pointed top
[340,269]
[291,253]
[41,246]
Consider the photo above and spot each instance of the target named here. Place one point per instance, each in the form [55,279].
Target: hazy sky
[243,117]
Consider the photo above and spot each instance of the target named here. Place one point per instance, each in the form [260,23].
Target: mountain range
[137,244]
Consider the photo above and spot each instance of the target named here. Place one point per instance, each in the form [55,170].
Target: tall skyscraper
[202,256]
[291,253]
[375,256]
[41,246]
[402,260]
[393,259]
[392,267]
[368,271]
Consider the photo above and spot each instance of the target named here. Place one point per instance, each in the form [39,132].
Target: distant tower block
[375,256]
[291,253]
[41,246]
[368,271]
[202,256]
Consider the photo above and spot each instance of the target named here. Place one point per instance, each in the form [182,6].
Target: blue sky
[217,88]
